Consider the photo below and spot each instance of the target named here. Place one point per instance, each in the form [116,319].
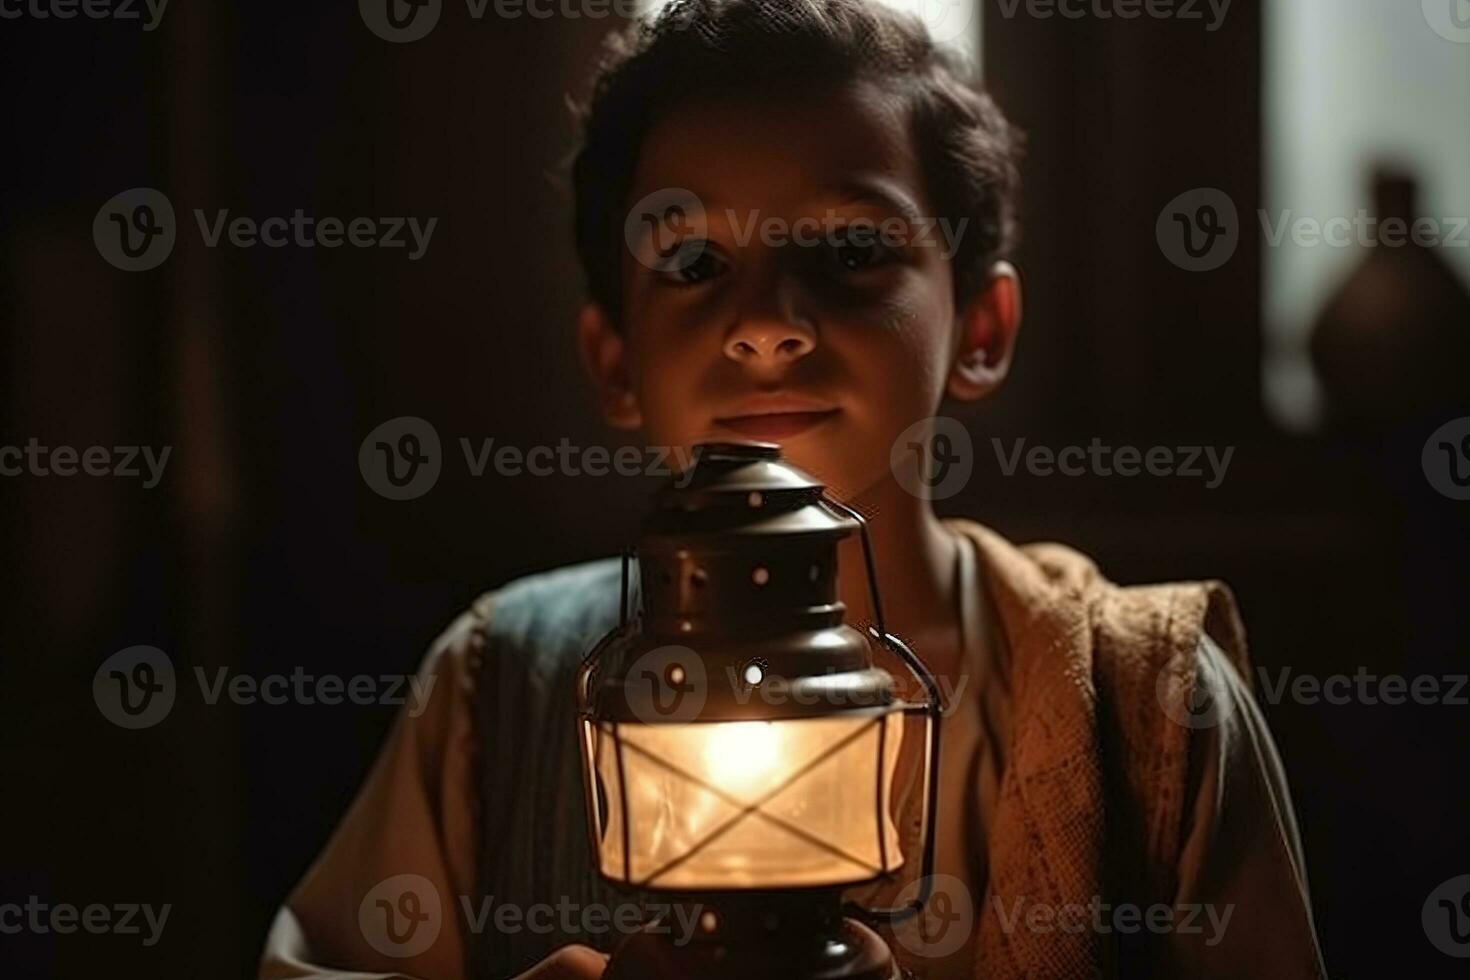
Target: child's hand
[568,963]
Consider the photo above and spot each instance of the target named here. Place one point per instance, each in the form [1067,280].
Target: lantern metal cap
[746,484]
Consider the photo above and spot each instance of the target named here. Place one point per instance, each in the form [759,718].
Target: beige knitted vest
[1093,793]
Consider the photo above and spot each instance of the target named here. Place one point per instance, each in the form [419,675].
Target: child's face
[831,348]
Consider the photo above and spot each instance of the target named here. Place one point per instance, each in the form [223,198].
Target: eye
[693,262]
[857,257]
[858,247]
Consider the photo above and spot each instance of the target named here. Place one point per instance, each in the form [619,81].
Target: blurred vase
[1392,345]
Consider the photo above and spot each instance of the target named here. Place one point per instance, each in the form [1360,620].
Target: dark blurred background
[263,549]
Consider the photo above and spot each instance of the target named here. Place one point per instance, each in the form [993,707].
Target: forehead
[768,149]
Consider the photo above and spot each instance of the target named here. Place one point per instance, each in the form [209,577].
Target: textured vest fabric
[1093,795]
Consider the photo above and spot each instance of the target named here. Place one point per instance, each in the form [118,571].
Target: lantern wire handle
[868,561]
[933,709]
[589,662]
[623,602]
[584,709]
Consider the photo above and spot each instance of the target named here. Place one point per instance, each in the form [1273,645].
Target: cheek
[666,376]
[903,362]
[895,368]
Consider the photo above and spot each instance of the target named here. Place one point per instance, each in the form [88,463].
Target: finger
[578,963]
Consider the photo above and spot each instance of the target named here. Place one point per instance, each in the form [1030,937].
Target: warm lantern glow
[743,754]
[749,804]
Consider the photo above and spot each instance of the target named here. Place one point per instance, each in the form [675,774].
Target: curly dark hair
[696,49]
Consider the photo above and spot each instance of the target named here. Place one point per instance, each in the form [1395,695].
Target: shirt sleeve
[382,898]
[1242,878]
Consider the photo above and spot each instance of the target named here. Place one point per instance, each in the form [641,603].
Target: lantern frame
[592,721]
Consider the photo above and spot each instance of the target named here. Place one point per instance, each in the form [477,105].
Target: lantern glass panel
[748,804]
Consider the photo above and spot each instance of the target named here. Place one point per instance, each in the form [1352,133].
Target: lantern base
[765,935]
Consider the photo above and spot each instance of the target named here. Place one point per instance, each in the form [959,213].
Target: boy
[1075,775]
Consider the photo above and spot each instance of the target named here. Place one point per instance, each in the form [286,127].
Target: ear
[604,354]
[987,330]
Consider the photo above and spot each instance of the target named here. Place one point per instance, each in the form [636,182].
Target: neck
[915,557]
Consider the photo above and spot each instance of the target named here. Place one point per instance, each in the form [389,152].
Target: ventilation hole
[754,671]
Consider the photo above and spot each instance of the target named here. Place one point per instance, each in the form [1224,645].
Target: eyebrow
[860,190]
[876,192]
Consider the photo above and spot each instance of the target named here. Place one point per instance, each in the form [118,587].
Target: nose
[769,341]
[773,327]
[770,334]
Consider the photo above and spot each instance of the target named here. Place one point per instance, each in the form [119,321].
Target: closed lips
[777,423]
